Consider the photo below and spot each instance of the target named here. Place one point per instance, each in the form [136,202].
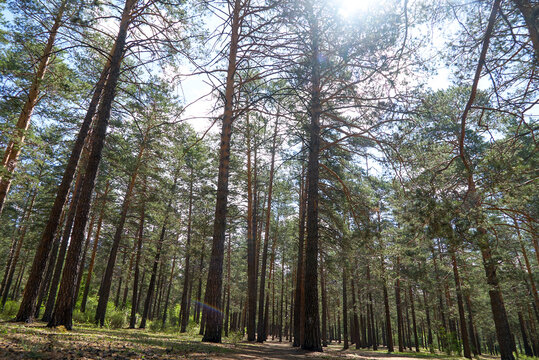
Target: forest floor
[36,341]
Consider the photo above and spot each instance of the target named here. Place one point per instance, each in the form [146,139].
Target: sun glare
[351,7]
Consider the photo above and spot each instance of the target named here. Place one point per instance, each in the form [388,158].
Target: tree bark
[94,251]
[400,327]
[64,306]
[27,307]
[184,313]
[13,150]
[104,289]
[460,304]
[252,251]
[56,277]
[299,301]
[212,313]
[156,262]
[135,297]
[22,235]
[261,324]
[312,320]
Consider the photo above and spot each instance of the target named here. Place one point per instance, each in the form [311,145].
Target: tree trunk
[80,271]
[156,263]
[135,297]
[13,150]
[104,289]
[45,284]
[212,298]
[184,313]
[168,291]
[299,301]
[503,331]
[252,251]
[389,332]
[324,304]
[460,304]
[227,288]
[261,325]
[64,306]
[56,277]
[400,327]
[22,235]
[414,322]
[94,251]
[344,308]
[27,307]
[312,321]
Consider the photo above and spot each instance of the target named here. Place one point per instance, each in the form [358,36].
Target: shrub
[10,309]
[116,320]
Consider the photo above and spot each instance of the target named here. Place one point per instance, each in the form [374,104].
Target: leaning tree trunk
[104,289]
[94,251]
[64,305]
[22,235]
[212,314]
[13,150]
[27,307]
[56,277]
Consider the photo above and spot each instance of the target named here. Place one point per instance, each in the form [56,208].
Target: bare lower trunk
[94,251]
[212,314]
[64,306]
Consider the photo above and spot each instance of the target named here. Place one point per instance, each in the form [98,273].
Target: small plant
[10,309]
[235,337]
[116,319]
[155,326]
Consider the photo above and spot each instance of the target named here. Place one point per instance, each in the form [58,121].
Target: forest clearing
[269,179]
[89,342]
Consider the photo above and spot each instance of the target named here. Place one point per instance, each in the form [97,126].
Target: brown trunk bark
[80,271]
[94,251]
[104,289]
[22,235]
[251,250]
[27,307]
[400,327]
[389,332]
[344,308]
[312,320]
[169,287]
[156,263]
[414,322]
[13,150]
[460,305]
[64,306]
[503,331]
[56,277]
[261,323]
[299,301]
[227,312]
[212,313]
[184,313]
[135,297]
